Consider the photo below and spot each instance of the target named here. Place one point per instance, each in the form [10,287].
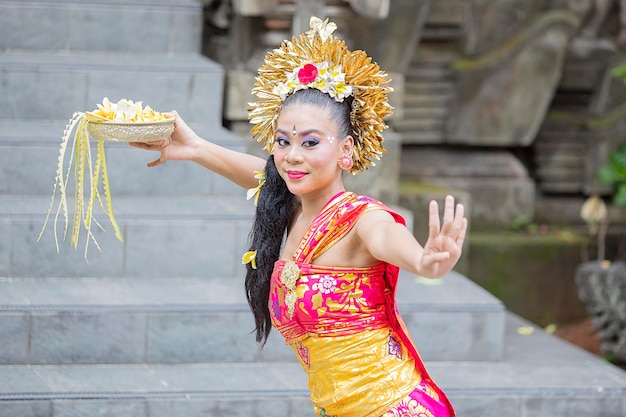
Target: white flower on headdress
[318,76]
[323,27]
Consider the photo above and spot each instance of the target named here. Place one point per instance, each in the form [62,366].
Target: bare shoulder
[370,222]
[374,216]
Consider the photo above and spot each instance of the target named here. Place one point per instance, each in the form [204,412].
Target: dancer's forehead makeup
[295,132]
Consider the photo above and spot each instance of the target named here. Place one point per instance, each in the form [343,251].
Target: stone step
[548,136]
[561,173]
[180,236]
[539,376]
[50,321]
[436,101]
[432,124]
[427,59]
[422,138]
[562,159]
[558,186]
[431,113]
[442,33]
[429,74]
[29,151]
[137,27]
[419,88]
[486,175]
[48,86]
[447,13]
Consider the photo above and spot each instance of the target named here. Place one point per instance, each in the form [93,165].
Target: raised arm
[185,144]
[391,242]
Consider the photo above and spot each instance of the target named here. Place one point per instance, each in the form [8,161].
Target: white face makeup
[331,139]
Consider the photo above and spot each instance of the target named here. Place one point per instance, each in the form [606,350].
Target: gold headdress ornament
[317,59]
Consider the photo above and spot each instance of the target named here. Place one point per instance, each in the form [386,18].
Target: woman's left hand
[444,246]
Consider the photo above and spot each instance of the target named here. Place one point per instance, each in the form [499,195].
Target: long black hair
[275,213]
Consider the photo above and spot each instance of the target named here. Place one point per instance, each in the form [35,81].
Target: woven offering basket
[131,132]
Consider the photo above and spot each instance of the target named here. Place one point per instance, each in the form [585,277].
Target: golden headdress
[317,59]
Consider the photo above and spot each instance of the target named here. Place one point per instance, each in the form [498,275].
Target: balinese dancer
[323,262]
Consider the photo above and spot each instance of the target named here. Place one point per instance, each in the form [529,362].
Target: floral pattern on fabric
[409,408]
[303,353]
[326,284]
[393,347]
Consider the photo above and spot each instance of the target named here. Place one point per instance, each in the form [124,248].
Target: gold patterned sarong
[344,326]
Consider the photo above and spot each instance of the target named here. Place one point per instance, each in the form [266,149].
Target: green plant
[614,175]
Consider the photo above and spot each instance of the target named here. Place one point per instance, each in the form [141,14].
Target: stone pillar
[502,96]
[391,41]
[304,10]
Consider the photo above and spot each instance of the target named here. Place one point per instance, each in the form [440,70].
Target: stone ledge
[540,375]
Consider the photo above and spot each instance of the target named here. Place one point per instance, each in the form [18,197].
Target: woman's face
[307,149]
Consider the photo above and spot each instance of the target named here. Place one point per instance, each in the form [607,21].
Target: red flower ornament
[307,74]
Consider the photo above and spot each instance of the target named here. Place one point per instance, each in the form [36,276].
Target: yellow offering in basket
[124,121]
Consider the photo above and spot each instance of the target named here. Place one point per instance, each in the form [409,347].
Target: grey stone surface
[41,95]
[503,96]
[5,248]
[225,378]
[26,409]
[30,258]
[432,310]
[32,27]
[492,23]
[451,336]
[482,176]
[189,249]
[571,406]
[535,366]
[163,27]
[240,407]
[99,408]
[14,333]
[52,87]
[535,377]
[483,406]
[21,379]
[96,379]
[405,20]
[160,408]
[193,337]
[28,165]
[515,199]
[138,30]
[58,338]
[199,236]
[177,320]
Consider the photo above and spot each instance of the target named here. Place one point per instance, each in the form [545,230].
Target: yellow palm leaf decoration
[121,121]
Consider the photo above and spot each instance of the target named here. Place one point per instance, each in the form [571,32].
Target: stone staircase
[430,81]
[564,142]
[158,326]
[429,85]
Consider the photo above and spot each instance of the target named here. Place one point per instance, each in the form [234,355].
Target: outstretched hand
[181,145]
[443,248]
